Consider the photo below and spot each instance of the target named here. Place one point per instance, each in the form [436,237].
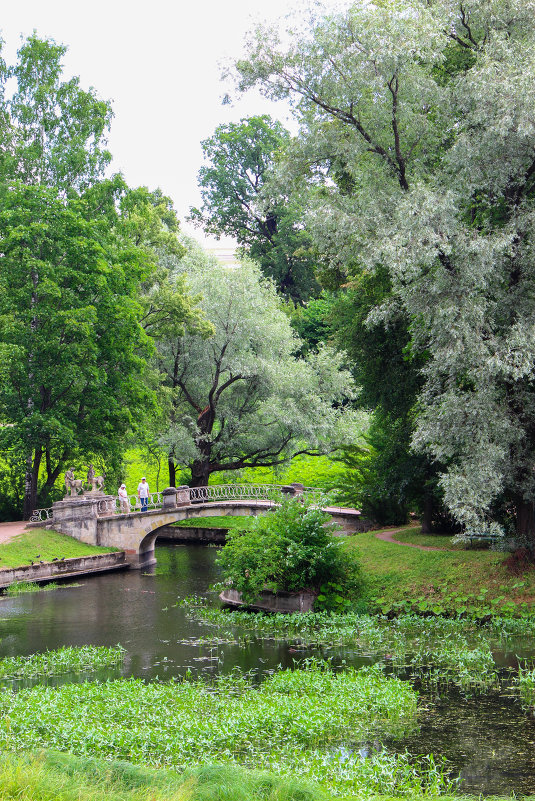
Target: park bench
[483,537]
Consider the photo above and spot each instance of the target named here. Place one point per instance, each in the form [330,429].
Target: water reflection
[489,739]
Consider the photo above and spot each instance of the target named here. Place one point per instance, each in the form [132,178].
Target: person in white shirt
[123,498]
[143,494]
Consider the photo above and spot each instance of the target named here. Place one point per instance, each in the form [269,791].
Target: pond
[488,738]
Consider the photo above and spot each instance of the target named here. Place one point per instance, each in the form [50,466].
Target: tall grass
[63,777]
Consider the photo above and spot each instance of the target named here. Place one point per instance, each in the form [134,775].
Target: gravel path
[10,530]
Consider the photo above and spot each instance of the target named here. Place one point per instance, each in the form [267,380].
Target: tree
[269,228]
[70,338]
[240,398]
[428,107]
[80,293]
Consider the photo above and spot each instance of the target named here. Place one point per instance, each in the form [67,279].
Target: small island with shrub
[290,560]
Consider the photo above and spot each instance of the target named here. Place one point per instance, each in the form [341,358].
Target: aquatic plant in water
[291,723]
[437,651]
[63,660]
[525,686]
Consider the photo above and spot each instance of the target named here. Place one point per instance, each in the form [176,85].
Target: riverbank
[53,776]
[449,578]
[36,554]
[404,566]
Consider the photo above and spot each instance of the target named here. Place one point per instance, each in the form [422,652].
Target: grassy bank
[454,578]
[228,522]
[51,776]
[41,545]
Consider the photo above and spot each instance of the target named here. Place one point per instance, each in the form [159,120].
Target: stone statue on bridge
[96,482]
[73,484]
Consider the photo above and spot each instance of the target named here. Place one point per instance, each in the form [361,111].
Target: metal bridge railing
[41,515]
[196,495]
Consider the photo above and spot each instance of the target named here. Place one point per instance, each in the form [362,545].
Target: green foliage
[80,290]
[241,398]
[241,156]
[291,548]
[290,722]
[416,154]
[64,660]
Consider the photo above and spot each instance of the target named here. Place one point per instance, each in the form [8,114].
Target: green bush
[291,548]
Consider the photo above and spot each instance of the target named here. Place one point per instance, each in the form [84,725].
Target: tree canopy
[240,398]
[240,157]
[424,110]
[81,292]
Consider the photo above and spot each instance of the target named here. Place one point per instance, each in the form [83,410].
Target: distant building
[225,254]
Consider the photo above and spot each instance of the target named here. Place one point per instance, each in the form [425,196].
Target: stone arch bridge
[98,519]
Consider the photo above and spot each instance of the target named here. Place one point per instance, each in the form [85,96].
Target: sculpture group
[76,485]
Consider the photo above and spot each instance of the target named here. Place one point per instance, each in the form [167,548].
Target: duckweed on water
[308,722]
[64,660]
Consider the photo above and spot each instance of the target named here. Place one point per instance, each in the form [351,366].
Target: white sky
[159,64]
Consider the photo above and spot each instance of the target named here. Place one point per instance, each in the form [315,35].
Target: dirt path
[10,530]
[388,536]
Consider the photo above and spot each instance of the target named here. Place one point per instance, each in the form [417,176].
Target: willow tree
[427,107]
[240,398]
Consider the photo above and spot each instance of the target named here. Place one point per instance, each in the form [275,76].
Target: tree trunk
[427,517]
[33,463]
[200,473]
[525,522]
[172,472]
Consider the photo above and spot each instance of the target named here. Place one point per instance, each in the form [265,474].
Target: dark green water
[488,739]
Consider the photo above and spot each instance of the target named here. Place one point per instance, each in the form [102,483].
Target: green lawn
[395,571]
[415,536]
[38,544]
[221,521]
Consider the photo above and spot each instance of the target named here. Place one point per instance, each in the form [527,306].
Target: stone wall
[66,568]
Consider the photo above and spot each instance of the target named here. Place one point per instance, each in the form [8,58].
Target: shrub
[291,548]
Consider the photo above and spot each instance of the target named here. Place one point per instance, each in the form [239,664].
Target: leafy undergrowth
[53,776]
[306,724]
[41,545]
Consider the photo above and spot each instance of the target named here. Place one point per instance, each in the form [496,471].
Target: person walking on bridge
[143,494]
[123,497]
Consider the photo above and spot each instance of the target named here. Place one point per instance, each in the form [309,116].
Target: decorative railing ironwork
[41,515]
[113,506]
[270,493]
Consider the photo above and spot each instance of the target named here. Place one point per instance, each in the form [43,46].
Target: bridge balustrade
[194,495]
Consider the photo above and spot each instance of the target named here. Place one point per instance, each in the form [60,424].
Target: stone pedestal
[169,498]
[293,489]
[77,516]
[182,496]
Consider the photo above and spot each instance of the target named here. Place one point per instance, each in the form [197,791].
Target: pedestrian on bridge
[123,498]
[143,494]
